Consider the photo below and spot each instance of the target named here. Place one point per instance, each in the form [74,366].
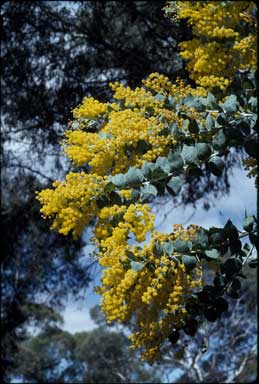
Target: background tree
[97,356]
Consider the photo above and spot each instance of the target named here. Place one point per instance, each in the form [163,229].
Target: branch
[31,170]
[238,371]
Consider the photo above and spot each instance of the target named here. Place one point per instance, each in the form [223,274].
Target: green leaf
[219,141]
[209,122]
[151,266]
[131,255]
[235,285]
[174,185]
[164,132]
[202,150]
[217,236]
[189,262]
[158,248]
[188,100]
[118,180]
[235,246]
[170,101]
[219,281]
[216,106]
[241,275]
[211,313]
[235,135]
[143,146]
[189,154]
[230,230]
[109,187]
[149,189]
[233,294]
[198,103]
[201,238]
[134,176]
[253,103]
[194,171]
[175,161]
[163,163]
[193,308]
[175,259]
[231,104]
[158,173]
[159,97]
[249,223]
[168,247]
[147,169]
[136,266]
[210,99]
[185,125]
[251,148]
[174,337]
[193,126]
[221,119]
[182,246]
[210,289]
[135,195]
[128,149]
[207,295]
[244,127]
[247,84]
[190,327]
[216,165]
[231,266]
[102,202]
[221,304]
[253,263]
[115,198]
[213,254]
[173,128]
[160,186]
[254,239]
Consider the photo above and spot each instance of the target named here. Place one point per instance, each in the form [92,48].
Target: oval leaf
[216,165]
[189,262]
[174,185]
[175,161]
[213,254]
[149,189]
[136,266]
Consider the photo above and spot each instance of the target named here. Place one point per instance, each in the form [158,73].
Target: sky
[242,197]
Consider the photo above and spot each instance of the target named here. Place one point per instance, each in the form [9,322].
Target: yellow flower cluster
[133,219]
[139,97]
[129,135]
[115,147]
[154,296]
[222,44]
[162,85]
[160,288]
[90,108]
[72,203]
